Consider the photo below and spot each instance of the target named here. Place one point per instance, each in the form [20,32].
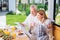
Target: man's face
[33,11]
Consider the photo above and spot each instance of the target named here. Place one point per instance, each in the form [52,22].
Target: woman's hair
[40,11]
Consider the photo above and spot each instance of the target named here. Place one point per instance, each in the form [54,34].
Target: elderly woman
[41,28]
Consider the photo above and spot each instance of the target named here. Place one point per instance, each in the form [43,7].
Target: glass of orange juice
[13,34]
[13,28]
[6,32]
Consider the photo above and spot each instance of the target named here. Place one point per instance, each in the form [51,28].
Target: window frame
[54,13]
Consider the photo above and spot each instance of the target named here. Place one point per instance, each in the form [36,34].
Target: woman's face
[40,15]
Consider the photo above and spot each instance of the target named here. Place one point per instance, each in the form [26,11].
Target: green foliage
[4,36]
[42,6]
[11,19]
[20,7]
[28,10]
[7,37]
[57,19]
[46,7]
[1,33]
[11,13]
[26,7]
[19,1]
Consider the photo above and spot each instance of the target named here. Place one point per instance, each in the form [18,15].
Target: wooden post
[50,9]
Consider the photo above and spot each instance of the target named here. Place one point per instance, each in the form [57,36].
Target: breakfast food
[20,32]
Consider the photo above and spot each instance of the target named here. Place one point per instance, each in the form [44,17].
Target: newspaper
[21,27]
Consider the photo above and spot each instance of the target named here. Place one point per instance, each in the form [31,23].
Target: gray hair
[33,6]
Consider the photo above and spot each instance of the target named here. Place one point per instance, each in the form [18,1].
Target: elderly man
[31,16]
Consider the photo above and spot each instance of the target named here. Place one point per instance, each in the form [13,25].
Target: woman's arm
[50,31]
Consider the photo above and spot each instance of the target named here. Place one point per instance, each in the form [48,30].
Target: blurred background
[18,10]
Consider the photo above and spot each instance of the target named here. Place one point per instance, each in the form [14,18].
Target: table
[24,37]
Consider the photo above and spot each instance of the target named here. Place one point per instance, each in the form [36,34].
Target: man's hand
[22,24]
[32,25]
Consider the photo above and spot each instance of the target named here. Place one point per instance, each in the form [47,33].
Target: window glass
[57,12]
[3,5]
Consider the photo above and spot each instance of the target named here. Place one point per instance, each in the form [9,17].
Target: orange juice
[13,28]
[13,35]
[6,32]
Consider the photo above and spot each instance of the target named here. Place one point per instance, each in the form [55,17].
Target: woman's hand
[49,26]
